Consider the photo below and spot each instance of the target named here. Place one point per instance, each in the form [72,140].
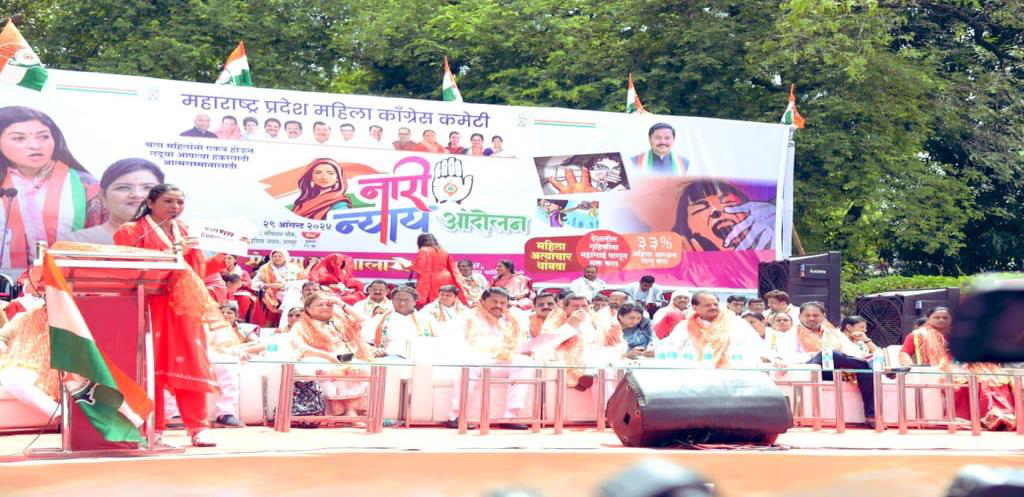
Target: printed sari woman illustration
[322,188]
[56,195]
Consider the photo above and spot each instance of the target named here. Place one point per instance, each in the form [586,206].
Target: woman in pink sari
[516,284]
[928,345]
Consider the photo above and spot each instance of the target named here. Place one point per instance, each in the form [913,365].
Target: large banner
[695,202]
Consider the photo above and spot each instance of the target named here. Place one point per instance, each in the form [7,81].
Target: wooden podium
[111,286]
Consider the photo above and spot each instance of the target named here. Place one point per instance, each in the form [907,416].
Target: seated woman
[335,273]
[636,330]
[240,292]
[278,277]
[320,336]
[516,284]
[928,345]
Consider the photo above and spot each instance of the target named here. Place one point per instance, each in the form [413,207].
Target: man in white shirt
[806,343]
[645,292]
[598,341]
[445,313]
[393,331]
[589,284]
[778,302]
[376,301]
[472,282]
[717,337]
[680,301]
[494,336]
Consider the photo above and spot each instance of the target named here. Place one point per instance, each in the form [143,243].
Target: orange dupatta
[715,334]
[510,337]
[318,207]
[931,347]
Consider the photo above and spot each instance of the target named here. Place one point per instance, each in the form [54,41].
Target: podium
[111,285]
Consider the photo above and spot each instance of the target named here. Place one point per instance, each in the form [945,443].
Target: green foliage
[913,154]
[850,290]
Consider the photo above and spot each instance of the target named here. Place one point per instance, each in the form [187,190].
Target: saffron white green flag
[236,69]
[115,405]
[449,90]
[632,100]
[19,64]
[791,116]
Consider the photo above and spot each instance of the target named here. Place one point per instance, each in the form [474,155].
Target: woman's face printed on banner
[127,192]
[324,176]
[28,144]
[707,219]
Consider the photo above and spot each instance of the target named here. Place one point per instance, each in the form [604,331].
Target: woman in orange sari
[321,190]
[928,345]
[434,268]
[178,317]
[56,195]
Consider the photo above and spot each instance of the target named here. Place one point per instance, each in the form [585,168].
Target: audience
[737,304]
[376,301]
[589,284]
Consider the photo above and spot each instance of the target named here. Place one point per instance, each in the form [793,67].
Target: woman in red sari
[516,284]
[178,318]
[928,345]
[321,190]
[434,268]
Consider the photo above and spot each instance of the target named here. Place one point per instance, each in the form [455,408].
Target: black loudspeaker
[805,278]
[654,408]
[891,315]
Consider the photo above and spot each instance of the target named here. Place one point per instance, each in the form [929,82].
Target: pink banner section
[725,269]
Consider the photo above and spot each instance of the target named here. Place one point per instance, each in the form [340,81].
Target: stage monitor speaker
[891,315]
[652,408]
[805,278]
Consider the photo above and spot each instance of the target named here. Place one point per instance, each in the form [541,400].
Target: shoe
[454,424]
[228,421]
[512,426]
[175,423]
[870,422]
[203,438]
[584,383]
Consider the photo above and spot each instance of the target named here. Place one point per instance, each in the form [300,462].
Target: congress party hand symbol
[572,185]
[449,183]
[761,222]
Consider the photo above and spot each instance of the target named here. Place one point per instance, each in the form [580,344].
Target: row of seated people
[571,330]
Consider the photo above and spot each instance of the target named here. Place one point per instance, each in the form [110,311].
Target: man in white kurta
[589,284]
[376,301]
[493,336]
[446,314]
[717,338]
[393,331]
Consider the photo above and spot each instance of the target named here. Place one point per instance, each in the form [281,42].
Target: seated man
[813,332]
[737,304]
[376,301]
[646,293]
[756,305]
[598,302]
[716,338]
[757,322]
[589,284]
[230,343]
[680,302]
[543,304]
[493,336]
[445,314]
[779,302]
[596,341]
[392,332]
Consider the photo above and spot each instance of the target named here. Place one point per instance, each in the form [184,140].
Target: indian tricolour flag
[791,116]
[449,90]
[115,405]
[236,69]
[19,64]
[632,99]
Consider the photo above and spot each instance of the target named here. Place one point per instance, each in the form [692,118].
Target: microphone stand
[10,194]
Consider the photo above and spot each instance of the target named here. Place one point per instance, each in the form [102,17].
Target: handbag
[307,399]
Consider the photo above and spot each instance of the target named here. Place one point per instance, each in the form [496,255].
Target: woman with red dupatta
[321,190]
[927,345]
[434,268]
[335,272]
[178,317]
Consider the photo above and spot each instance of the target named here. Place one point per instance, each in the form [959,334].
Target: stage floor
[438,462]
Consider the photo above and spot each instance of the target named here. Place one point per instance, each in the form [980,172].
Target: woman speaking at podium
[178,317]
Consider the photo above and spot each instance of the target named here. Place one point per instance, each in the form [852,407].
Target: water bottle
[736,359]
[827,360]
[878,361]
[661,351]
[689,355]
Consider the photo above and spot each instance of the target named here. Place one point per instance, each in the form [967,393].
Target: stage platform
[257,461]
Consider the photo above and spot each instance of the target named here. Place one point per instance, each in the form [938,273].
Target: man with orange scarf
[596,341]
[446,313]
[805,346]
[493,336]
[728,339]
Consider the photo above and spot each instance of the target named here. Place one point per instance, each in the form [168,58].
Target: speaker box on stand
[652,408]
[805,278]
